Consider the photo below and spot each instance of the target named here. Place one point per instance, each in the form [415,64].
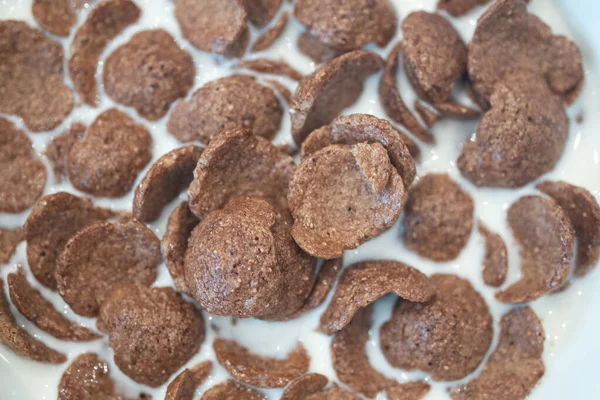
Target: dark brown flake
[459,8]
[453,109]
[58,149]
[183,387]
[55,16]
[9,240]
[272,67]
[267,39]
[428,115]
[495,262]
[312,47]
[88,377]
[334,392]
[304,386]
[232,390]
[261,12]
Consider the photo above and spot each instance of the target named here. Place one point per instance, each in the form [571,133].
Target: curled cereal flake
[321,96]
[446,337]
[55,16]
[312,47]
[287,96]
[267,39]
[183,387]
[149,73]
[438,218]
[238,163]
[23,173]
[214,26]
[33,306]
[516,366]
[103,256]
[234,102]
[153,332]
[105,22]
[32,81]
[334,392]
[232,390]
[261,371]
[273,67]
[9,240]
[304,386]
[582,209]
[108,160]
[163,182]
[452,109]
[19,341]
[510,40]
[51,223]
[261,12]
[87,377]
[363,283]
[429,116]
[495,264]
[459,8]
[545,236]
[392,102]
[58,150]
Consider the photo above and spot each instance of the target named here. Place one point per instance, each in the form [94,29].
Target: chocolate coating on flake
[273,67]
[545,236]
[435,56]
[175,242]
[458,8]
[438,218]
[452,109]
[107,162]
[32,77]
[23,174]
[312,47]
[321,96]
[582,209]
[51,223]
[19,341]
[183,387]
[163,182]
[214,26]
[259,371]
[516,366]
[429,116]
[236,101]
[341,196]
[365,128]
[520,138]
[153,332]
[495,263]
[392,102]
[304,386]
[105,22]
[241,261]
[59,148]
[261,12]
[348,25]
[333,393]
[238,163]
[55,16]
[102,256]
[510,40]
[446,337]
[232,390]
[33,306]
[149,73]
[9,240]
[363,283]
[267,39]
[87,377]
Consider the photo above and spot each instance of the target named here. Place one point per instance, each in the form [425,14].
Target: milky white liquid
[562,314]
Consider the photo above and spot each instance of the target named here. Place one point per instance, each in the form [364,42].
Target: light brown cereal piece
[334,392]
[9,240]
[459,8]
[58,149]
[495,263]
[232,390]
[268,38]
[272,67]
[452,109]
[304,386]
[261,12]
[55,16]
[287,96]
[183,387]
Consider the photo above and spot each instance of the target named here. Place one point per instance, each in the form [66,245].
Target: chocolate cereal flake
[153,332]
[183,387]
[263,372]
[321,96]
[55,16]
[9,240]
[236,101]
[545,236]
[333,393]
[58,150]
[268,38]
[438,218]
[107,162]
[19,341]
[516,366]
[304,386]
[103,256]
[495,263]
[284,92]
[32,81]
[312,47]
[428,115]
[452,109]
[272,67]
[363,283]
[446,337]
[459,8]
[163,182]
[261,12]
[149,73]
[33,306]
[87,377]
[105,22]
[232,390]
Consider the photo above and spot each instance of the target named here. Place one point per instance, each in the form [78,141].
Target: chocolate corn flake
[429,116]
[183,387]
[453,109]
[272,67]
[495,263]
[435,56]
[438,218]
[9,240]
[334,392]
[321,96]
[58,149]
[32,81]
[582,209]
[516,366]
[259,371]
[261,12]
[459,8]
[88,377]
[103,256]
[284,92]
[167,177]
[51,223]
[407,391]
[509,39]
[153,332]
[232,390]
[149,73]
[236,101]
[107,162]
[545,236]
[238,163]
[55,16]
[267,39]
[104,23]
[214,26]
[19,341]
[363,283]
[304,386]
[313,48]
[446,337]
[33,306]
